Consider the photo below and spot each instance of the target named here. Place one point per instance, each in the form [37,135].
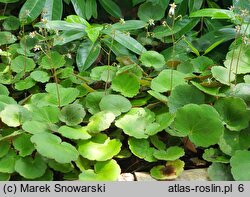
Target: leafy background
[93,88]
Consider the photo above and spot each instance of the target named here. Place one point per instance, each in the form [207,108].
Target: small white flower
[37,48]
[237,28]
[122,21]
[231,8]
[68,55]
[172,9]
[164,23]
[151,22]
[32,34]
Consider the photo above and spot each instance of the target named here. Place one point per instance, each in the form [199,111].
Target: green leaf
[152,59]
[139,123]
[4,177]
[45,114]
[34,127]
[64,93]
[238,60]
[4,148]
[214,45]
[92,102]
[87,54]
[111,7]
[127,84]
[103,171]
[23,145]
[214,91]
[141,148]
[78,133]
[184,94]
[234,112]
[200,122]
[5,100]
[53,60]
[115,103]
[25,84]
[240,163]
[61,25]
[7,38]
[9,1]
[149,11]
[126,41]
[72,114]
[194,5]
[215,155]
[169,171]
[51,146]
[129,25]
[30,10]
[91,9]
[4,90]
[241,90]
[14,115]
[79,7]
[158,96]
[11,23]
[93,32]
[22,64]
[61,167]
[7,163]
[103,73]
[171,154]
[100,121]
[99,148]
[31,168]
[213,13]
[167,80]
[220,172]
[54,9]
[222,74]
[40,76]
[232,141]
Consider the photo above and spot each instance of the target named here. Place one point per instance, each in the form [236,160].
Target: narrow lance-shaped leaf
[111,7]
[53,10]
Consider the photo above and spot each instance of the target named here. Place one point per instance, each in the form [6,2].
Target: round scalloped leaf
[51,146]
[22,64]
[31,168]
[221,74]
[23,144]
[79,133]
[40,76]
[61,167]
[4,90]
[14,115]
[232,141]
[103,171]
[99,148]
[152,59]
[25,84]
[139,123]
[215,155]
[201,123]
[141,148]
[240,163]
[238,60]
[4,177]
[47,176]
[234,113]
[34,127]
[127,84]
[4,148]
[241,90]
[72,114]
[164,82]
[184,94]
[5,100]
[53,60]
[103,73]
[158,96]
[100,121]
[7,163]
[171,154]
[219,172]
[64,93]
[92,102]
[168,172]
[115,103]
[45,114]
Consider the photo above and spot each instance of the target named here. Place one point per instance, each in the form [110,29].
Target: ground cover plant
[93,88]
